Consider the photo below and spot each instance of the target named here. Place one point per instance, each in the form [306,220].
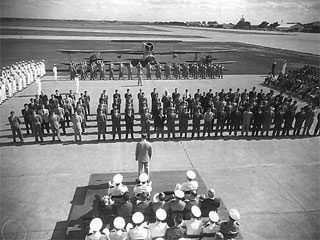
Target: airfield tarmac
[274,183]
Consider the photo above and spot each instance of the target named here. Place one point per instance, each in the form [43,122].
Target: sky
[222,11]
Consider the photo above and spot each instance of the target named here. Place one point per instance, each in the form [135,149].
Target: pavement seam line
[266,171]
[184,149]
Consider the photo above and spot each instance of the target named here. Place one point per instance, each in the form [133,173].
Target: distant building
[212,24]
[225,26]
[194,24]
[290,27]
[313,27]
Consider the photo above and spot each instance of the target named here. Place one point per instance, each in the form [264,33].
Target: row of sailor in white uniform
[18,76]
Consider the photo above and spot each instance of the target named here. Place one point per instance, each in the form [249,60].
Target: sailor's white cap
[191,174]
[213,216]
[195,210]
[179,193]
[234,214]
[161,214]
[117,178]
[137,217]
[119,223]
[143,177]
[96,224]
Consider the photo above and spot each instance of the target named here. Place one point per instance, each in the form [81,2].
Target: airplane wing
[74,51]
[196,51]
[146,40]
[216,62]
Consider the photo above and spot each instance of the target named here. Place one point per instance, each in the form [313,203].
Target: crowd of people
[303,83]
[234,112]
[180,213]
[97,70]
[18,76]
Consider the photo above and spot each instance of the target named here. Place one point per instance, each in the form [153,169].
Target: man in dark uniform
[102,124]
[209,204]
[221,120]
[230,228]
[278,120]
[171,116]
[117,100]
[116,126]
[159,120]
[257,121]
[196,122]
[183,122]
[235,119]
[299,117]
[15,126]
[154,102]
[288,120]
[27,114]
[129,118]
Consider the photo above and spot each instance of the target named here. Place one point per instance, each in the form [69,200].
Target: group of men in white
[197,226]
[18,76]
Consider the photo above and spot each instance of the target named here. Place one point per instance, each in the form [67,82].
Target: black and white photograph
[158,119]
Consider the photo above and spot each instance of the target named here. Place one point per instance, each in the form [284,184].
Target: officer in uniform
[130,70]
[194,225]
[15,126]
[159,228]
[116,189]
[211,227]
[102,124]
[189,185]
[230,228]
[118,233]
[144,187]
[148,66]
[94,232]
[177,205]
[116,126]
[140,231]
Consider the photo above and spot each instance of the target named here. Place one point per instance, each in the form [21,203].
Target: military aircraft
[148,52]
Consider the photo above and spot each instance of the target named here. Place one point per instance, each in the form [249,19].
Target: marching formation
[232,112]
[180,213]
[18,76]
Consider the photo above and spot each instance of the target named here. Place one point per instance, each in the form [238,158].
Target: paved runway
[273,182]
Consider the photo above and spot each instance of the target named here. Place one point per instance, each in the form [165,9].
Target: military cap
[195,210]
[191,174]
[119,223]
[117,178]
[96,224]
[161,214]
[143,177]
[213,216]
[234,214]
[179,194]
[137,217]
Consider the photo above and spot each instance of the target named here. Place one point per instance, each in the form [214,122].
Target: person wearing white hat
[77,82]
[177,205]
[55,72]
[230,228]
[140,231]
[159,228]
[119,232]
[189,185]
[211,227]
[94,232]
[194,225]
[192,201]
[144,186]
[116,188]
